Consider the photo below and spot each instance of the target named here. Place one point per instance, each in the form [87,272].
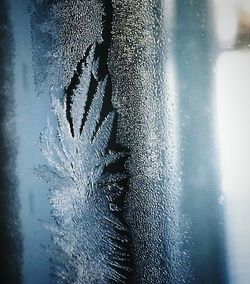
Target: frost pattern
[89,236]
[138,63]
[61,31]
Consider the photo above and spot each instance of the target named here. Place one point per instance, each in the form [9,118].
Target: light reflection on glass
[233,116]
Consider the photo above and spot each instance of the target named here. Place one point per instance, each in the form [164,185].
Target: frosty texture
[148,127]
[61,32]
[90,239]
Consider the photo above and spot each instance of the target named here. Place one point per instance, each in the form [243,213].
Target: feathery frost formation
[89,231]
[89,236]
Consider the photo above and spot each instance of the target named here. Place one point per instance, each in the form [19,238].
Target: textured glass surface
[124,141]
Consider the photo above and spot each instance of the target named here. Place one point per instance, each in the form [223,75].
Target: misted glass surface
[125,141]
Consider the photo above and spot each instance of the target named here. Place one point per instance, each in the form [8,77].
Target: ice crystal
[89,236]
[61,31]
